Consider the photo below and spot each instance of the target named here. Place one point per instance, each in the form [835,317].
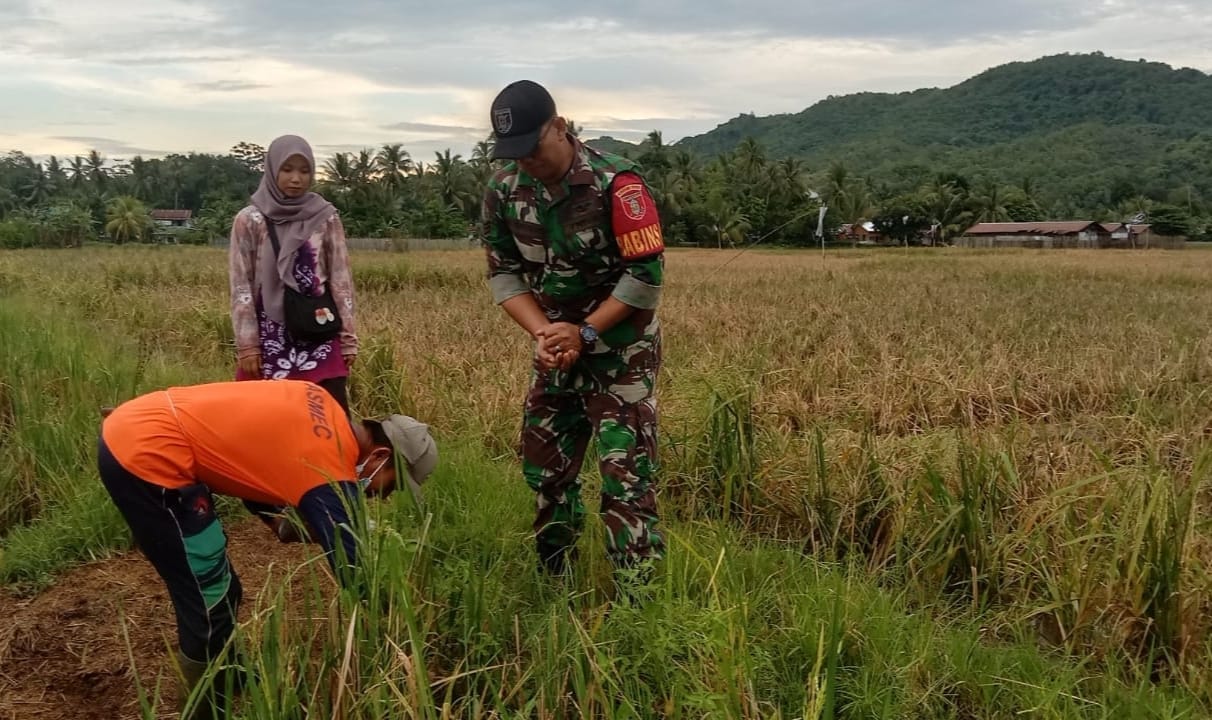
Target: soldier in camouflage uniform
[575,257]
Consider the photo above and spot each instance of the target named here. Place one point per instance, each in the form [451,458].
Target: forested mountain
[1087,131]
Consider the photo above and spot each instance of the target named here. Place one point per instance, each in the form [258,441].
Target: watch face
[589,335]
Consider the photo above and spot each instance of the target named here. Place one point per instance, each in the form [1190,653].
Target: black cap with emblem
[518,115]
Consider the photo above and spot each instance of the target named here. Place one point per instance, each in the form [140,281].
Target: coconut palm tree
[481,160]
[55,173]
[1128,209]
[393,163]
[791,170]
[670,195]
[143,180]
[77,172]
[789,174]
[852,203]
[725,224]
[724,164]
[837,179]
[453,179]
[947,206]
[751,155]
[990,204]
[173,170]
[685,171]
[656,153]
[127,219]
[364,168]
[38,189]
[340,173]
[1030,189]
[96,169]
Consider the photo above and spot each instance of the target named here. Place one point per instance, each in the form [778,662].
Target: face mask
[364,480]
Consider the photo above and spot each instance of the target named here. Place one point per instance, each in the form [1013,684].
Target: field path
[63,654]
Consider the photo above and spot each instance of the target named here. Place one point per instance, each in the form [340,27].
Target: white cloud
[203,75]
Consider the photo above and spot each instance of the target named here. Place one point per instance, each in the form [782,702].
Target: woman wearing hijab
[310,257]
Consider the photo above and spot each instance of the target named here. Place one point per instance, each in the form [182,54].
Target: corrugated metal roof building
[1066,234]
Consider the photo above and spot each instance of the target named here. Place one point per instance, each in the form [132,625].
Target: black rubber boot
[193,674]
[212,702]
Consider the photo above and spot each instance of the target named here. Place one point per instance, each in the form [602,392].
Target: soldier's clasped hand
[559,345]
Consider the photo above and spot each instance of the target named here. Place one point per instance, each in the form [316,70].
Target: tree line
[746,196]
[738,197]
[380,193]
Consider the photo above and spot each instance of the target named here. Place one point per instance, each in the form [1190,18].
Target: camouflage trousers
[609,395]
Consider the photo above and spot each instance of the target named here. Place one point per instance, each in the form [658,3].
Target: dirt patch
[64,654]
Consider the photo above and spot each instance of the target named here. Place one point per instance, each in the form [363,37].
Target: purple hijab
[295,219]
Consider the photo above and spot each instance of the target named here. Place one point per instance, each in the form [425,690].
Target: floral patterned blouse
[323,259]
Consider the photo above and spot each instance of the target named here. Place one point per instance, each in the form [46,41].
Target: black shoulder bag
[308,317]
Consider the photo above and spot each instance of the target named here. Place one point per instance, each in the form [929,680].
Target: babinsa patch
[637,229]
[632,199]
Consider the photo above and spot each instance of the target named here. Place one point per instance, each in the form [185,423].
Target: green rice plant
[822,508]
[389,275]
[727,457]
[870,512]
[961,550]
[1067,580]
[377,385]
[1152,549]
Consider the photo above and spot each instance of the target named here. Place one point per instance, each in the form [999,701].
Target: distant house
[1133,235]
[859,234]
[173,218]
[1068,234]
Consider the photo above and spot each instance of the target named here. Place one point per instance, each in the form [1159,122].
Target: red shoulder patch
[633,214]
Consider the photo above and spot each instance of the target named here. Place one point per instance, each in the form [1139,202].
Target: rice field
[899,484]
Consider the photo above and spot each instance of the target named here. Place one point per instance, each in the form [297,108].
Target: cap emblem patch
[502,120]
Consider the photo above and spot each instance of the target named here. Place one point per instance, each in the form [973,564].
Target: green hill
[1086,129]
[616,146]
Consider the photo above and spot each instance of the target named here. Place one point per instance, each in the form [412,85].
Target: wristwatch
[589,335]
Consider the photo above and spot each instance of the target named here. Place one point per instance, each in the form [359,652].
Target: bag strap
[273,236]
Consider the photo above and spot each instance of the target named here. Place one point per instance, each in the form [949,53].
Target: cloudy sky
[156,76]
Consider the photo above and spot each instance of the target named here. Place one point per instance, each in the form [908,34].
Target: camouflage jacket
[599,235]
